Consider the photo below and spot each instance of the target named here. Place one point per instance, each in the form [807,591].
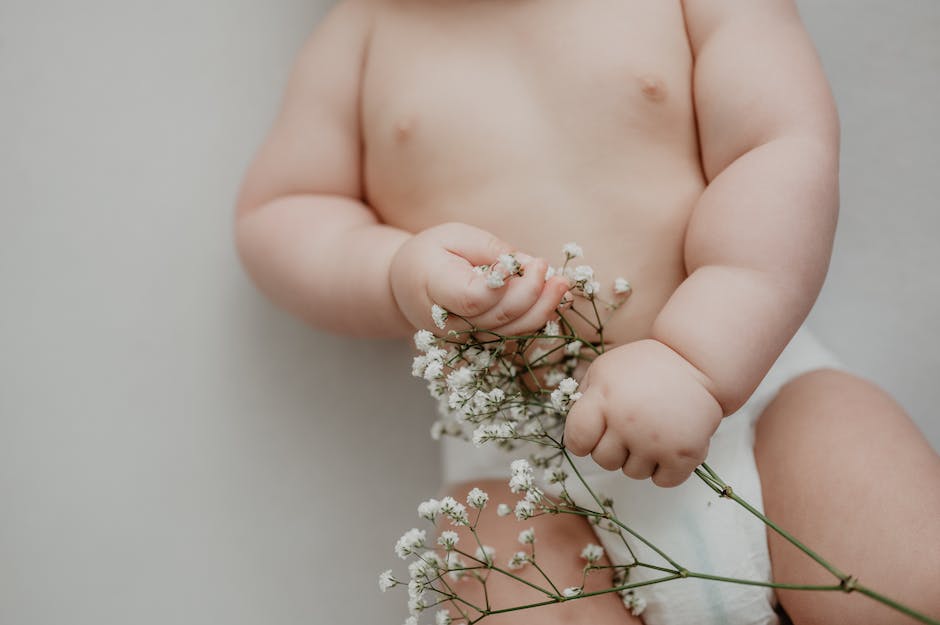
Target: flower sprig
[515,392]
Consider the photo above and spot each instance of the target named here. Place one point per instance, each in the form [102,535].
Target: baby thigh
[845,470]
[559,541]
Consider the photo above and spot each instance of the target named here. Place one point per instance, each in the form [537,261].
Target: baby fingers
[516,297]
[609,453]
[674,472]
[454,285]
[584,426]
[540,312]
[639,467]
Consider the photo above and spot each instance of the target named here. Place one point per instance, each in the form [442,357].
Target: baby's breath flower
[437,353]
[551,328]
[495,280]
[634,603]
[434,370]
[554,376]
[411,620]
[429,509]
[527,537]
[439,316]
[448,540]
[424,340]
[442,617]
[455,511]
[572,250]
[433,560]
[518,560]
[521,479]
[482,358]
[509,264]
[563,396]
[592,553]
[591,287]
[416,588]
[477,498]
[537,353]
[437,388]
[503,510]
[387,580]
[460,379]
[485,553]
[572,591]
[622,286]
[534,494]
[416,605]
[524,509]
[493,432]
[481,269]
[410,542]
[573,348]
[418,365]
[582,273]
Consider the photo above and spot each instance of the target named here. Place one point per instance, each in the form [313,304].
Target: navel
[404,129]
[653,87]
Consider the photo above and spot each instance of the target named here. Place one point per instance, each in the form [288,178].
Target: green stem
[547,579]
[544,591]
[617,521]
[868,592]
[730,494]
[748,582]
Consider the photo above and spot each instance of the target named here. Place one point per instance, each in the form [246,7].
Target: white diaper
[690,523]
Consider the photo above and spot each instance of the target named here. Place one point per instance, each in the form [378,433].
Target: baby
[690,146]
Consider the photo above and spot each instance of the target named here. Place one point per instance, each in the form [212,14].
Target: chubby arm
[756,250]
[303,231]
[759,239]
[311,243]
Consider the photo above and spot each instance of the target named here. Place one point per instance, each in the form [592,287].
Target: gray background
[173,449]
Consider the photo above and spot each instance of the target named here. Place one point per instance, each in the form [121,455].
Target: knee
[831,398]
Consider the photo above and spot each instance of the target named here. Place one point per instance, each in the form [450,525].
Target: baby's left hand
[644,409]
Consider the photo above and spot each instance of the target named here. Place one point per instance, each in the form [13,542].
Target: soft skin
[739,265]
[691,147]
[771,157]
[646,410]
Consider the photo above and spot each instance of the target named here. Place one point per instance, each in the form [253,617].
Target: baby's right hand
[436,266]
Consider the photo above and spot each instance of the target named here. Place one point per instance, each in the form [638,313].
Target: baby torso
[543,122]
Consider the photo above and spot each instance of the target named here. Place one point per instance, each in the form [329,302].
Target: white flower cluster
[428,567]
[632,600]
[479,383]
[565,395]
[582,279]
[506,266]
[523,481]
[410,542]
[507,391]
[592,553]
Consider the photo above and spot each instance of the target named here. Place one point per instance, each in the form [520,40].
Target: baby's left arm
[758,241]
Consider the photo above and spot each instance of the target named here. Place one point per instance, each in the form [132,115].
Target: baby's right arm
[309,241]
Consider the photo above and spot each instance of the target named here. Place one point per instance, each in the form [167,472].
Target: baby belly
[628,228]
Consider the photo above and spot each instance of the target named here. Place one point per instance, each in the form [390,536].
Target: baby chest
[482,86]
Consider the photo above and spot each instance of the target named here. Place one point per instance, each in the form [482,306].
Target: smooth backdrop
[173,449]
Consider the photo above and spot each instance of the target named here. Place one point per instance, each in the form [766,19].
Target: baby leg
[845,470]
[559,541]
